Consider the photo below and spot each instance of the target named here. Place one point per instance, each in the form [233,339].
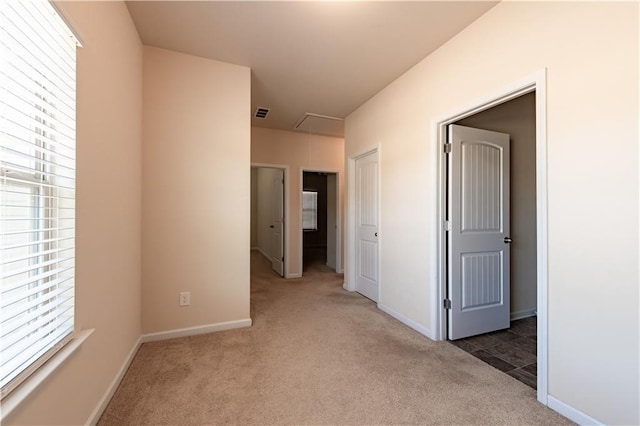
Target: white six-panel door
[478,239]
[367,225]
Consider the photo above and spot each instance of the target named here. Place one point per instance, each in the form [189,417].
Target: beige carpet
[316,354]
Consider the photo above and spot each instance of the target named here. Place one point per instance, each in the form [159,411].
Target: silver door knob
[507,240]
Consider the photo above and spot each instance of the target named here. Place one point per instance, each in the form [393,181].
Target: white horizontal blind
[37,186]
[309,210]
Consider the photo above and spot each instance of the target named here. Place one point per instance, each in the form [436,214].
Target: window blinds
[37,187]
[310,210]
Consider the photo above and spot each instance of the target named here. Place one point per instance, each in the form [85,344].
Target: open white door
[277,219]
[478,237]
[332,221]
[367,226]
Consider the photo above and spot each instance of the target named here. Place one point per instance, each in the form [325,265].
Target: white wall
[590,51]
[196,191]
[108,212]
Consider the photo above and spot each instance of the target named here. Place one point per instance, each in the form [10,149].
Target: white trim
[111,390]
[406,321]
[542,237]
[350,243]
[534,82]
[266,256]
[194,331]
[514,316]
[338,248]
[571,413]
[349,270]
[59,7]
[296,275]
[27,387]
[287,229]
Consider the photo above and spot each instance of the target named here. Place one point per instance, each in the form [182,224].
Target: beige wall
[196,191]
[517,118]
[590,51]
[298,151]
[109,111]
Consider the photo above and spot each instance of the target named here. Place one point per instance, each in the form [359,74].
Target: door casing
[534,82]
[338,218]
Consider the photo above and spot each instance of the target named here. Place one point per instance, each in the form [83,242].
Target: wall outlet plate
[185,298]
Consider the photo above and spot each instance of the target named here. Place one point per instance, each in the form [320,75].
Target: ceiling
[321,57]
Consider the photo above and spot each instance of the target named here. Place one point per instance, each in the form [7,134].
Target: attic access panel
[320,125]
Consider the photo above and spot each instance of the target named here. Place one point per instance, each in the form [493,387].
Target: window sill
[21,393]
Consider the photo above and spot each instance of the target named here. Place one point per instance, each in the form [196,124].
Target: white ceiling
[320,57]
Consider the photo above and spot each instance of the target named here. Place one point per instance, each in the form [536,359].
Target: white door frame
[535,82]
[338,216]
[285,228]
[350,278]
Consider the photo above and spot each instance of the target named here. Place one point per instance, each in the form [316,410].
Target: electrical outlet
[185,298]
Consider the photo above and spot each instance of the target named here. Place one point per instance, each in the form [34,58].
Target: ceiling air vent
[261,112]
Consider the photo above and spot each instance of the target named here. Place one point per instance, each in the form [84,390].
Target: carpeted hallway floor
[316,354]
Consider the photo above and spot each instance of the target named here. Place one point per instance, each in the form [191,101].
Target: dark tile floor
[512,350]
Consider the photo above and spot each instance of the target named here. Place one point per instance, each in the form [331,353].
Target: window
[37,187]
[310,210]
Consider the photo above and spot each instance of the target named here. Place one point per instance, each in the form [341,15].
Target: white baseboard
[263,253]
[571,413]
[193,331]
[332,267]
[523,314]
[406,321]
[111,390]
[152,337]
[296,275]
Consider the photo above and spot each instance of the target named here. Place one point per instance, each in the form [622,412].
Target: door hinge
[447,148]
[447,303]
[447,225]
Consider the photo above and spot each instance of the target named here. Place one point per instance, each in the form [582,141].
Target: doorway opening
[510,344]
[320,221]
[268,209]
[533,318]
